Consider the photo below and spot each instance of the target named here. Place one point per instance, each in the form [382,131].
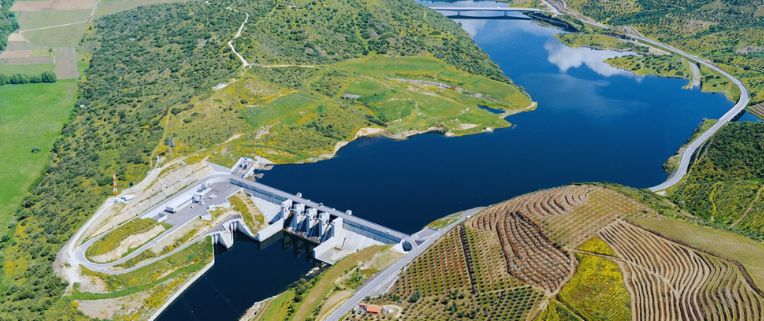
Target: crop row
[672,282]
[440,269]
[604,207]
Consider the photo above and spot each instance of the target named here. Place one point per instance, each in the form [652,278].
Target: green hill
[725,182]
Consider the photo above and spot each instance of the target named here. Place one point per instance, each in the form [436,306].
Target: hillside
[729,33]
[151,77]
[725,182]
[568,253]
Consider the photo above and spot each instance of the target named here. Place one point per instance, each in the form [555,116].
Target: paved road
[373,286]
[686,156]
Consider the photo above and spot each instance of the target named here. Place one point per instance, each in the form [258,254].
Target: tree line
[18,79]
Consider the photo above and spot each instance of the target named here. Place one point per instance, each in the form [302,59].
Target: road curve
[686,157]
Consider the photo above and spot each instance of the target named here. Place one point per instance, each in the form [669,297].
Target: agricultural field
[597,291]
[669,281]
[64,36]
[569,254]
[503,263]
[33,69]
[40,19]
[31,117]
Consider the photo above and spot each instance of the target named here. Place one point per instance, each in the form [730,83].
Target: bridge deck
[347,218]
[501,9]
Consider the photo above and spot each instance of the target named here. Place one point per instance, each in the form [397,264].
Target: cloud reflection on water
[565,57]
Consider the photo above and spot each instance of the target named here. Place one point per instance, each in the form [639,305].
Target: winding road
[238,34]
[686,157]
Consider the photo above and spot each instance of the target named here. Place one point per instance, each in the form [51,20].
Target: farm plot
[463,275]
[529,255]
[66,63]
[42,19]
[672,282]
[604,206]
[64,36]
[57,5]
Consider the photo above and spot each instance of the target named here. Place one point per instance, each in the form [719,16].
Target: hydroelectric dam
[336,233]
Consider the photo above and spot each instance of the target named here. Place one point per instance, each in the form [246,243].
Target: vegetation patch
[664,65]
[722,189]
[191,259]
[113,239]
[597,291]
[443,222]
[599,41]
[557,311]
[597,246]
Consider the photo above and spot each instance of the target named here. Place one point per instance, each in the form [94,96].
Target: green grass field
[34,69]
[30,115]
[40,19]
[66,36]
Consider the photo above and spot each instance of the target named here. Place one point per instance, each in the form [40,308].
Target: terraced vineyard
[669,281]
[515,261]
[504,262]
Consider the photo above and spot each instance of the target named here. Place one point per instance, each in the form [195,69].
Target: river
[593,123]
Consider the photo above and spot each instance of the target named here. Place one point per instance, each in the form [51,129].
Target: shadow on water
[248,272]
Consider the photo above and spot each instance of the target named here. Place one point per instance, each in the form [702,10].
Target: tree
[414,297]
[49,77]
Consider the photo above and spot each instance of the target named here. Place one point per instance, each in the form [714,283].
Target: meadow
[31,115]
[33,69]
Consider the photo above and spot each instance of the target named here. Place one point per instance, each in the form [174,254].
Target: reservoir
[593,123]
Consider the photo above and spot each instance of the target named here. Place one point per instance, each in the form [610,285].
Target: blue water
[246,273]
[593,123]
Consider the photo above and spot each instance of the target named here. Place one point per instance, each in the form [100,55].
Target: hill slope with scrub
[729,33]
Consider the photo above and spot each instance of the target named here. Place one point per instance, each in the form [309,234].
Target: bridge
[503,10]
